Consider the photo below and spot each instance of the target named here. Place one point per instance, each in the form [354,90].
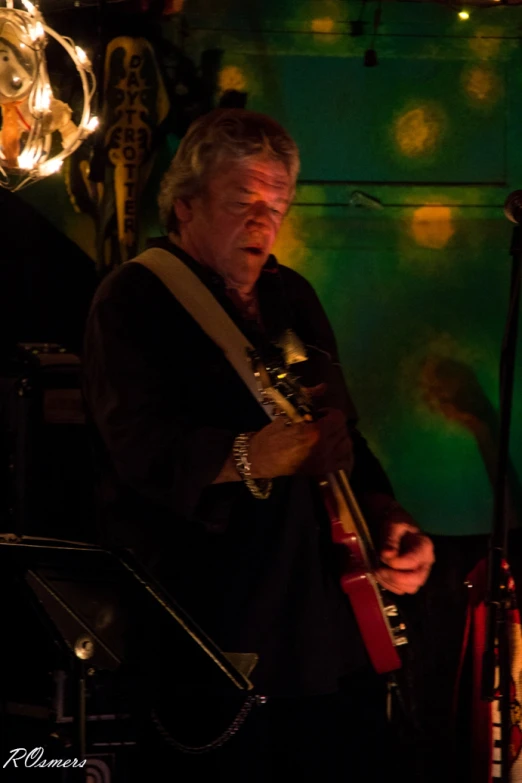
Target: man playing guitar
[225,504]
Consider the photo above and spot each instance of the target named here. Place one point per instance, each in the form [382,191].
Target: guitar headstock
[281,387]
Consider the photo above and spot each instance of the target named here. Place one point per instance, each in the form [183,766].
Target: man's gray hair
[222,135]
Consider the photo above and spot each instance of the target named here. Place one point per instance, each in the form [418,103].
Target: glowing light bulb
[92,124]
[36,31]
[42,100]
[29,6]
[463,15]
[27,159]
[50,167]
[82,56]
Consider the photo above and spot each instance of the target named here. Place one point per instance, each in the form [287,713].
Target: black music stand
[91,598]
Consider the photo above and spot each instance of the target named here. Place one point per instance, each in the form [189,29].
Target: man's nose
[260,212]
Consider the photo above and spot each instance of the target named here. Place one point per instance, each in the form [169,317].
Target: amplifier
[46,472]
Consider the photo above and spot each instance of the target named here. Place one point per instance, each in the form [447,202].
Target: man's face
[232,226]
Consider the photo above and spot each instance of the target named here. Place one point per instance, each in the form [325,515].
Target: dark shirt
[257,575]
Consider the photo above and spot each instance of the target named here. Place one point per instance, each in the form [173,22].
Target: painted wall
[398,219]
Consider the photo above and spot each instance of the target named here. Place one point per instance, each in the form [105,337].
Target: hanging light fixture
[37,131]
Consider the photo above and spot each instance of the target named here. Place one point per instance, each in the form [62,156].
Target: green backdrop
[398,219]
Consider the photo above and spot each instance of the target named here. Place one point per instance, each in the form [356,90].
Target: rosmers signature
[34,758]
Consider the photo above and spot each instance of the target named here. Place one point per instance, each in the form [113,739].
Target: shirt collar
[204,273]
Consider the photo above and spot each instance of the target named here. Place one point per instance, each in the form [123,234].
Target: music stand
[89,597]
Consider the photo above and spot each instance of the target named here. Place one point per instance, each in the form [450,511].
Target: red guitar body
[378,619]
[373,614]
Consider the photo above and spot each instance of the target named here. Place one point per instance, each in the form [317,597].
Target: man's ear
[183,210]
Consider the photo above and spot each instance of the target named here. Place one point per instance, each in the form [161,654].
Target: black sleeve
[133,398]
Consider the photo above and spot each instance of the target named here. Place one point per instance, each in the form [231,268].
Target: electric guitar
[377,616]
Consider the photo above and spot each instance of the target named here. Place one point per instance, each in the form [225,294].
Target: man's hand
[314,448]
[407,555]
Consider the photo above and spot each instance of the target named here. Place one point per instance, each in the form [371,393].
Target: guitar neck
[348,512]
[351,516]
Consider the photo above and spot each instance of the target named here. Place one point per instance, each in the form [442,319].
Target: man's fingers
[419,553]
[315,391]
[401,582]
[402,562]
[407,557]
[396,537]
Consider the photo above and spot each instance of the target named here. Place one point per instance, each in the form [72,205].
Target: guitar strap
[202,305]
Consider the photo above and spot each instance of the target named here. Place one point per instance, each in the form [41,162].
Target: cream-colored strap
[197,300]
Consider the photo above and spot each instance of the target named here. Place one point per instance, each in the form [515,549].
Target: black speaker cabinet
[46,478]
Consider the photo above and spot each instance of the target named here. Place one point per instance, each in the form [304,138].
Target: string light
[27,159]
[82,57]
[50,167]
[36,31]
[38,110]
[463,15]
[42,100]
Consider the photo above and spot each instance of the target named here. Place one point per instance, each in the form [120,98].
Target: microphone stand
[497,597]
